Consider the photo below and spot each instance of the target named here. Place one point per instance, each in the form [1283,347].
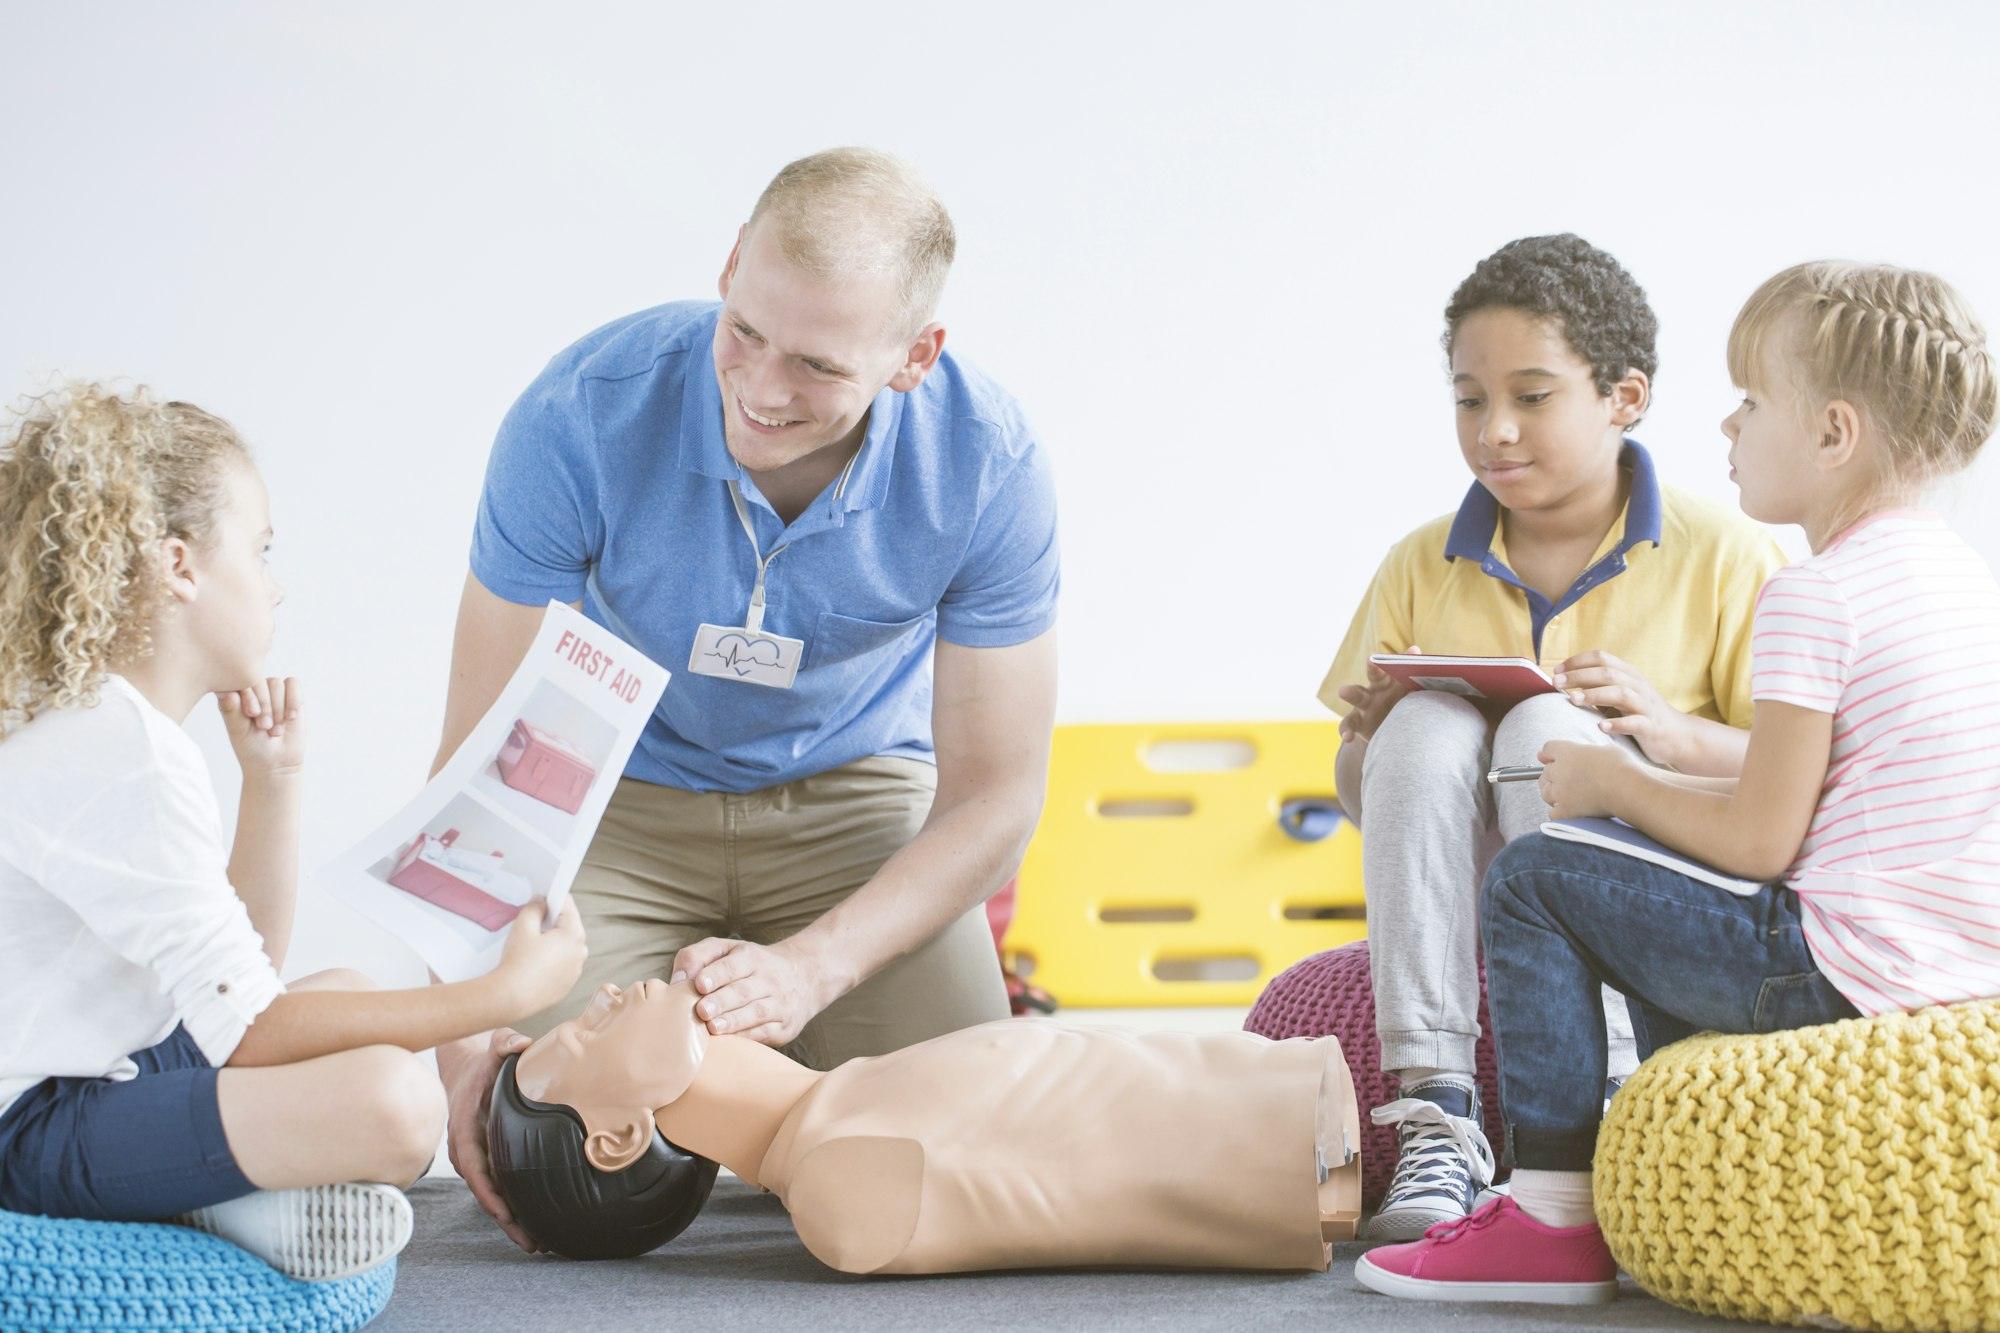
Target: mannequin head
[628,1053]
[567,1204]
[574,1147]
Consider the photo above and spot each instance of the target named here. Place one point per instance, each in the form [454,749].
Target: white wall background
[1206,245]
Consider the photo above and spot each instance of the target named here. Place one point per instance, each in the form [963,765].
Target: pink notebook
[1503,680]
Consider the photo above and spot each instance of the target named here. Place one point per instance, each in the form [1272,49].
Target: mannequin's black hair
[567,1205]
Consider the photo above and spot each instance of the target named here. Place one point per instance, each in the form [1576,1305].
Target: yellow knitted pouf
[1842,1174]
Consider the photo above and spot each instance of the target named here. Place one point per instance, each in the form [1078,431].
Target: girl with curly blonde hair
[157,1068]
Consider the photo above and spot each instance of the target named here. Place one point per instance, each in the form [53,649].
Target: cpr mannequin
[1018,1144]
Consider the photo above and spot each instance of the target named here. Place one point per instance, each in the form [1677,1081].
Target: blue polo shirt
[1471,538]
[609,483]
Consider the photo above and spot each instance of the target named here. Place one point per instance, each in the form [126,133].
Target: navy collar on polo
[1471,537]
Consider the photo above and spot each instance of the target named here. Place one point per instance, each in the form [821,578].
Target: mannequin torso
[1022,1143]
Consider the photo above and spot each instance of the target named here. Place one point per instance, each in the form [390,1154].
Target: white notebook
[1615,835]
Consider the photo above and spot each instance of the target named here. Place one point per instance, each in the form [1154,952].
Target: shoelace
[1472,1221]
[1435,1148]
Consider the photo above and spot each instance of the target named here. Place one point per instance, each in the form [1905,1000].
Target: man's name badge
[730,652]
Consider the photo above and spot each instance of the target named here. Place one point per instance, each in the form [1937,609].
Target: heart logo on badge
[746,655]
[742,654]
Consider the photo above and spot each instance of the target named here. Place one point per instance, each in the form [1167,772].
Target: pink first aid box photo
[545,766]
[437,886]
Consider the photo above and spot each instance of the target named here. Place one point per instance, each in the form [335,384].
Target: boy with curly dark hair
[1566,550]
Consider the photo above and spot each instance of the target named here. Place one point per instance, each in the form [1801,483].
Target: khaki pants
[669,867]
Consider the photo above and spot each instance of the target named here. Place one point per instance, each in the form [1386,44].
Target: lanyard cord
[754,619]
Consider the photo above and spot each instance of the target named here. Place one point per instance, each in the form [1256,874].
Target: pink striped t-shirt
[1894,629]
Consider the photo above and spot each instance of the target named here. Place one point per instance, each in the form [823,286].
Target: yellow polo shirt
[1671,591]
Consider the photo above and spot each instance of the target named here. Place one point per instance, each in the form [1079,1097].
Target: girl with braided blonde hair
[1899,348]
[154,1065]
[1865,826]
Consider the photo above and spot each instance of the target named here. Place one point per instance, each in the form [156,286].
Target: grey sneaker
[1442,1159]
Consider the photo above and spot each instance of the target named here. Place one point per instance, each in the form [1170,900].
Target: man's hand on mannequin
[992,712]
[766,992]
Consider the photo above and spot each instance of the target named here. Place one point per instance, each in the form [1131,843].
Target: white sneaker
[316,1235]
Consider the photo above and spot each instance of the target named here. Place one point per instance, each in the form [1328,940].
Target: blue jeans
[1560,918]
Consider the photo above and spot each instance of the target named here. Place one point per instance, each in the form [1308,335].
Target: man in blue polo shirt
[843,542]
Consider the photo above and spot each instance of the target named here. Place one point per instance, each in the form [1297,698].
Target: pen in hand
[1515,773]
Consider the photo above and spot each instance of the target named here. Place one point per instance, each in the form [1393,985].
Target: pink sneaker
[1498,1253]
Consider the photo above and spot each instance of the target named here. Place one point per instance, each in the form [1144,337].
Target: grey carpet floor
[740,1267]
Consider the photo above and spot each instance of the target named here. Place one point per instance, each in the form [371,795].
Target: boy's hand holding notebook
[1369,703]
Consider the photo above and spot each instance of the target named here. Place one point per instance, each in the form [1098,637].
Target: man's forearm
[453,1053]
[959,859]
[264,863]
[487,645]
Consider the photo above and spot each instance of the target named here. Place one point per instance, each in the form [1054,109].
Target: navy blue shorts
[137,1151]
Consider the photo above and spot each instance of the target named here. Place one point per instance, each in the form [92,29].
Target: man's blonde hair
[851,212]
[91,481]
[1901,345]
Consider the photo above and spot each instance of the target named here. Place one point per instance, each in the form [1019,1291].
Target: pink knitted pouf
[1329,995]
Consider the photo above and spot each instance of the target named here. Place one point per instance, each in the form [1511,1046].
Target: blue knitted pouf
[58,1273]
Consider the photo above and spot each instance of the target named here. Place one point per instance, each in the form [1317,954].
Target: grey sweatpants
[1430,823]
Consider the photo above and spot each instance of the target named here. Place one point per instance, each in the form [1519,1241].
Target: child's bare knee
[403,1107]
